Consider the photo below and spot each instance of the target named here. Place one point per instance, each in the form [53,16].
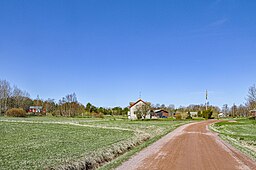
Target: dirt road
[190,147]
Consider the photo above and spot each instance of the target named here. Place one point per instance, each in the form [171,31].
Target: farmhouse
[142,106]
[221,115]
[135,106]
[193,114]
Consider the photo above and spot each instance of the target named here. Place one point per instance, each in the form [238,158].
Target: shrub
[16,112]
[207,114]
[189,116]
[178,116]
[97,115]
[199,114]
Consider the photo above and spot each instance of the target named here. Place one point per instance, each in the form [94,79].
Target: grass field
[43,142]
[240,133]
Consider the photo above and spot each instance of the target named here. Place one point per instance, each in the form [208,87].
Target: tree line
[13,97]
[183,112]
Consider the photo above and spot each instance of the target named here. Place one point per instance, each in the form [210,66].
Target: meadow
[65,143]
[241,133]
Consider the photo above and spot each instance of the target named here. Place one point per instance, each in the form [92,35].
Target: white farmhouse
[133,108]
[193,114]
[220,115]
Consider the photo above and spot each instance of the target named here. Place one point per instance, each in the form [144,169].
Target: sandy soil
[192,147]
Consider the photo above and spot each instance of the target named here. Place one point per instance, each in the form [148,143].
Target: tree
[5,94]
[157,106]
[162,106]
[142,110]
[49,105]
[225,109]
[88,107]
[189,116]
[171,109]
[234,111]
[242,110]
[251,97]
[207,114]
[20,99]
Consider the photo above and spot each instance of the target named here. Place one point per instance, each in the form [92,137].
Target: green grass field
[241,133]
[43,142]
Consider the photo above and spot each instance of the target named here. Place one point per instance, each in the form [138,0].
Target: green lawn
[43,142]
[241,133]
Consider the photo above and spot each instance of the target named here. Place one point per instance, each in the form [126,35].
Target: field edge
[225,138]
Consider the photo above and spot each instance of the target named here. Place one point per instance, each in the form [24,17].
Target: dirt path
[192,147]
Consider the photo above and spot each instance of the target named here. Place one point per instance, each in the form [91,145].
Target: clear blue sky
[107,51]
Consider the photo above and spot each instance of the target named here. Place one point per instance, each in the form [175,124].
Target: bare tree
[225,109]
[251,97]
[17,96]
[5,94]
[242,110]
[142,110]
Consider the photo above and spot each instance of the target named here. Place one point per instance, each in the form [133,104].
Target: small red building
[35,109]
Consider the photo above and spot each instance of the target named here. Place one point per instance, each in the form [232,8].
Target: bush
[199,114]
[207,114]
[16,112]
[97,115]
[178,116]
[189,116]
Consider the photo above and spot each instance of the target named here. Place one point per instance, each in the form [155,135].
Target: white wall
[133,109]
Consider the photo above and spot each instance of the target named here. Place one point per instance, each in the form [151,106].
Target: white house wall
[133,109]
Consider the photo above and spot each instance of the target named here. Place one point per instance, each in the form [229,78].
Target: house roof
[160,110]
[140,100]
[35,107]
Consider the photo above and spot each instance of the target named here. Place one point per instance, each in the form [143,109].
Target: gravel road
[191,146]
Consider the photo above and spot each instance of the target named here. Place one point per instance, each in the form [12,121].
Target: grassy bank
[241,133]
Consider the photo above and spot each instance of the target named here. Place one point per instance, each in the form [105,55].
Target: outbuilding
[161,113]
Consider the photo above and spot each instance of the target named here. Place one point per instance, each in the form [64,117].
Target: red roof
[137,102]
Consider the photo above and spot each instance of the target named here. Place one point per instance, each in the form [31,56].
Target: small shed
[161,113]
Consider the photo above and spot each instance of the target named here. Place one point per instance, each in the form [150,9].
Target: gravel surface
[191,146]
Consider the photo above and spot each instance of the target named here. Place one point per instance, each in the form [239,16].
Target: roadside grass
[66,143]
[241,133]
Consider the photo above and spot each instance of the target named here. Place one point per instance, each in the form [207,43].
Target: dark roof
[161,110]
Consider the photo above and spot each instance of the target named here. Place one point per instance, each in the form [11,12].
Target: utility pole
[206,100]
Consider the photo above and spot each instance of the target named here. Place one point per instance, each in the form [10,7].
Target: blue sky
[107,51]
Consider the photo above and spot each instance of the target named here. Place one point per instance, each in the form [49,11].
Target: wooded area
[13,97]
